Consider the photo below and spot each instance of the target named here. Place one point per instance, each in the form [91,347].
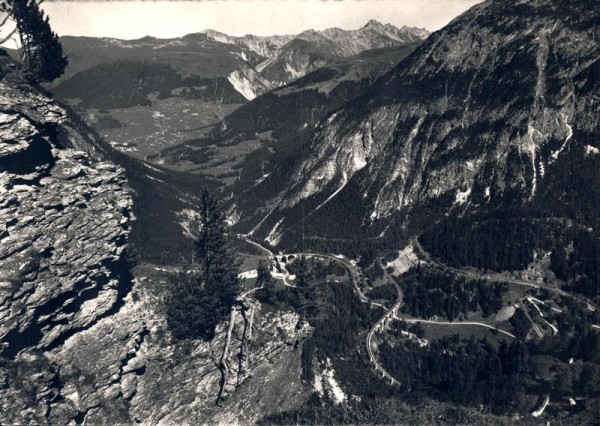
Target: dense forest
[470,372]
[503,375]
[508,240]
[428,293]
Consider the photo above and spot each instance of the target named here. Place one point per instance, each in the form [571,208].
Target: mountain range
[251,64]
[279,120]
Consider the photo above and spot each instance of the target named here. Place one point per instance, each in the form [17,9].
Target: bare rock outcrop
[65,226]
[65,220]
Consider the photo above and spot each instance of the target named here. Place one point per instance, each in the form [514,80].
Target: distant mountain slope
[252,64]
[262,45]
[127,83]
[192,54]
[497,110]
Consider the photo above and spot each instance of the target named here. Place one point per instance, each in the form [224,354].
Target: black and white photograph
[299,212]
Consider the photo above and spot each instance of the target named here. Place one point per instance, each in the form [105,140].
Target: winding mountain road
[392,313]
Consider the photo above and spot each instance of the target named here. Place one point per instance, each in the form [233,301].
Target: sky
[167,19]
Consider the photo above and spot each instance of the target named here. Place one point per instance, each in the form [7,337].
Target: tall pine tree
[41,52]
[197,305]
[215,255]
[310,293]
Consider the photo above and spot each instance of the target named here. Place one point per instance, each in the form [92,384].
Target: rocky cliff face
[65,222]
[83,337]
[488,111]
[262,45]
[126,369]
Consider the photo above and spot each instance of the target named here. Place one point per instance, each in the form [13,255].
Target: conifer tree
[263,275]
[266,284]
[185,314]
[215,255]
[199,301]
[41,52]
[310,292]
[302,289]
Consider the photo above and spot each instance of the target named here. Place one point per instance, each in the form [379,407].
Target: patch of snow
[591,150]
[540,410]
[572,402]
[261,179]
[462,196]
[156,179]
[233,216]
[330,119]
[555,154]
[531,149]
[152,168]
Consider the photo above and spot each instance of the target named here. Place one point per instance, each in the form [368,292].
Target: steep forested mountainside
[497,110]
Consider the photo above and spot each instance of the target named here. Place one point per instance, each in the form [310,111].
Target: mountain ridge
[252,64]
